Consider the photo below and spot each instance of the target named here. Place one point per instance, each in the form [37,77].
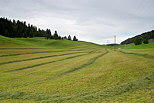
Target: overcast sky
[90,20]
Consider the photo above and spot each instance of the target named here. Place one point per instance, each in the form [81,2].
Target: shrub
[145,41]
[138,40]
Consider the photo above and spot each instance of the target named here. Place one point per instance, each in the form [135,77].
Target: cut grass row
[16,52]
[89,97]
[30,55]
[42,59]
[49,56]
[17,80]
[143,55]
[16,65]
[96,77]
[39,52]
[29,58]
[103,73]
[49,62]
[90,61]
[112,69]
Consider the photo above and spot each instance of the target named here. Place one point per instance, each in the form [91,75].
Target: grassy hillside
[79,72]
[41,42]
[145,35]
[5,41]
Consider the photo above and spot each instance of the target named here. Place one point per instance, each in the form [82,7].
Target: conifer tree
[18,28]
[75,39]
[69,37]
[55,35]
[48,34]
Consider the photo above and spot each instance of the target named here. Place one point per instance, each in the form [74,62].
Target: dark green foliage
[48,34]
[75,39]
[69,37]
[146,35]
[18,28]
[55,35]
[65,38]
[145,41]
[138,41]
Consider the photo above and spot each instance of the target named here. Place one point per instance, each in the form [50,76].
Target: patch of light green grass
[132,46]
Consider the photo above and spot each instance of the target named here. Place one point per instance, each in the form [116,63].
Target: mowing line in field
[91,97]
[38,48]
[79,67]
[36,65]
[116,90]
[69,71]
[24,48]
[42,57]
[88,63]
[39,52]
[143,55]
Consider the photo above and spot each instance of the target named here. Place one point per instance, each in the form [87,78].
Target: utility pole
[115,39]
[114,42]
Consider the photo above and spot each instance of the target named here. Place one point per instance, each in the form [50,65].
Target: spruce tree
[55,36]
[48,34]
[75,39]
[65,37]
[69,37]
[18,28]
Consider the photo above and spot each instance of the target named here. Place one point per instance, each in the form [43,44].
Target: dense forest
[145,36]
[16,29]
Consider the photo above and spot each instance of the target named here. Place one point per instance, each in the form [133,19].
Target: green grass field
[132,46]
[60,71]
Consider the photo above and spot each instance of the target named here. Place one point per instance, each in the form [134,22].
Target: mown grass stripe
[39,48]
[143,55]
[36,65]
[69,71]
[38,52]
[117,89]
[88,97]
[42,57]
[24,48]
[79,67]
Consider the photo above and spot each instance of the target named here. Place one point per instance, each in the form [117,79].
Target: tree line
[139,39]
[16,29]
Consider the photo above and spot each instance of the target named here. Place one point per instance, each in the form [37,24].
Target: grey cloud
[93,20]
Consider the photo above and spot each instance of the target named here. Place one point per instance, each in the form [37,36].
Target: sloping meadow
[81,74]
